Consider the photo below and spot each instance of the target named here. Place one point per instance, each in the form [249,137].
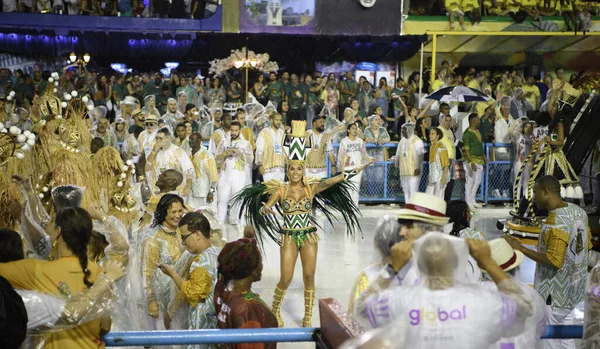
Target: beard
[321,128]
[234,137]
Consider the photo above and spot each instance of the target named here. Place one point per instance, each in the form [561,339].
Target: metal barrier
[260,335]
[498,182]
[381,181]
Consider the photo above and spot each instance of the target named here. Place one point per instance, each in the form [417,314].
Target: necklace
[167,232]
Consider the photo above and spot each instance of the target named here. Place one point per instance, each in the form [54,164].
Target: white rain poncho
[48,314]
[440,311]
[591,325]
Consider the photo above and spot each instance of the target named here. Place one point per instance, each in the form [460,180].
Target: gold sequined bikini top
[291,206]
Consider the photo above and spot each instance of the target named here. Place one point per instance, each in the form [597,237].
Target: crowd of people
[113,173]
[577,14]
[123,8]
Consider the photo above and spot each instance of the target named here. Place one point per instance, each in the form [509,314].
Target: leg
[413,184]
[477,176]
[237,183]
[308,257]
[451,16]
[288,254]
[405,190]
[223,193]
[559,316]
[469,183]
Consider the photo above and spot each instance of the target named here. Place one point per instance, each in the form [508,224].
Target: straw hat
[151,118]
[136,112]
[425,208]
[504,255]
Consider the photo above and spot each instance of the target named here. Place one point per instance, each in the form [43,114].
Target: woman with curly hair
[161,244]
[67,274]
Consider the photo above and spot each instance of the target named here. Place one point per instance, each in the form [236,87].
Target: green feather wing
[338,199]
[251,199]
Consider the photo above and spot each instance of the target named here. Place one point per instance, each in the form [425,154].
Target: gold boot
[309,301]
[277,299]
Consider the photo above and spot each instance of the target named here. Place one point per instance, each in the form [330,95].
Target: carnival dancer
[210,127]
[321,142]
[269,150]
[409,160]
[165,156]
[196,281]
[234,155]
[160,244]
[351,154]
[561,257]
[296,199]
[475,160]
[438,164]
[205,180]
[173,116]
[220,134]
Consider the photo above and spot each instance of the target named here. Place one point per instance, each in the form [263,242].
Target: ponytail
[76,230]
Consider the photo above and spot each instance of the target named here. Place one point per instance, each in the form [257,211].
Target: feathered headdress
[297,143]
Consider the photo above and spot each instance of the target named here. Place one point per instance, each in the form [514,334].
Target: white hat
[504,255]
[425,208]
[129,100]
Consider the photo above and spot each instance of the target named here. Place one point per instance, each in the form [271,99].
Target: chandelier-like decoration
[243,57]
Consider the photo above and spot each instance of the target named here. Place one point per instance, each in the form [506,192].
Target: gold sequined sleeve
[361,284]
[151,256]
[198,287]
[589,237]
[557,241]
[211,169]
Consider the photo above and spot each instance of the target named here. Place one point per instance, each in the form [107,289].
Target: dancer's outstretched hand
[267,210]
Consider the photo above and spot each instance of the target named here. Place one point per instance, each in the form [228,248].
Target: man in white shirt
[234,156]
[270,156]
[503,135]
[322,146]
[165,156]
[409,160]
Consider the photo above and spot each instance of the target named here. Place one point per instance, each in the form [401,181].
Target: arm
[557,243]
[273,199]
[344,175]
[150,264]
[422,113]
[560,140]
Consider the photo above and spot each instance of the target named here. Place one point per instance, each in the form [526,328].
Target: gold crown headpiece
[569,95]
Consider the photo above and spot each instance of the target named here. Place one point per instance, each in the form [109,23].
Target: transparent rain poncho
[591,325]
[35,218]
[440,311]
[49,314]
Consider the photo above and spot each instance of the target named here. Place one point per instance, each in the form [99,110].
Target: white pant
[472,182]
[559,316]
[436,189]
[410,185]
[524,182]
[355,194]
[230,183]
[278,174]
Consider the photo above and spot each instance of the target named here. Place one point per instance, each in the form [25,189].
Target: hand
[186,190]
[401,253]
[96,213]
[333,169]
[261,169]
[114,270]
[23,183]
[547,139]
[417,172]
[513,242]
[156,147]
[209,198]
[267,209]
[444,179]
[473,167]
[153,309]
[14,209]
[166,269]
[480,250]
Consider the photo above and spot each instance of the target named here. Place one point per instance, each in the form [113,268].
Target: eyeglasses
[184,237]
[150,123]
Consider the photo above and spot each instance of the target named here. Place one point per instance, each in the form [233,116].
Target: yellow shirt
[62,277]
[448,142]
[436,85]
[249,136]
[533,99]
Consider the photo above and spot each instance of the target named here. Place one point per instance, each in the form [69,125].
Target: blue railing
[390,190]
[263,335]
